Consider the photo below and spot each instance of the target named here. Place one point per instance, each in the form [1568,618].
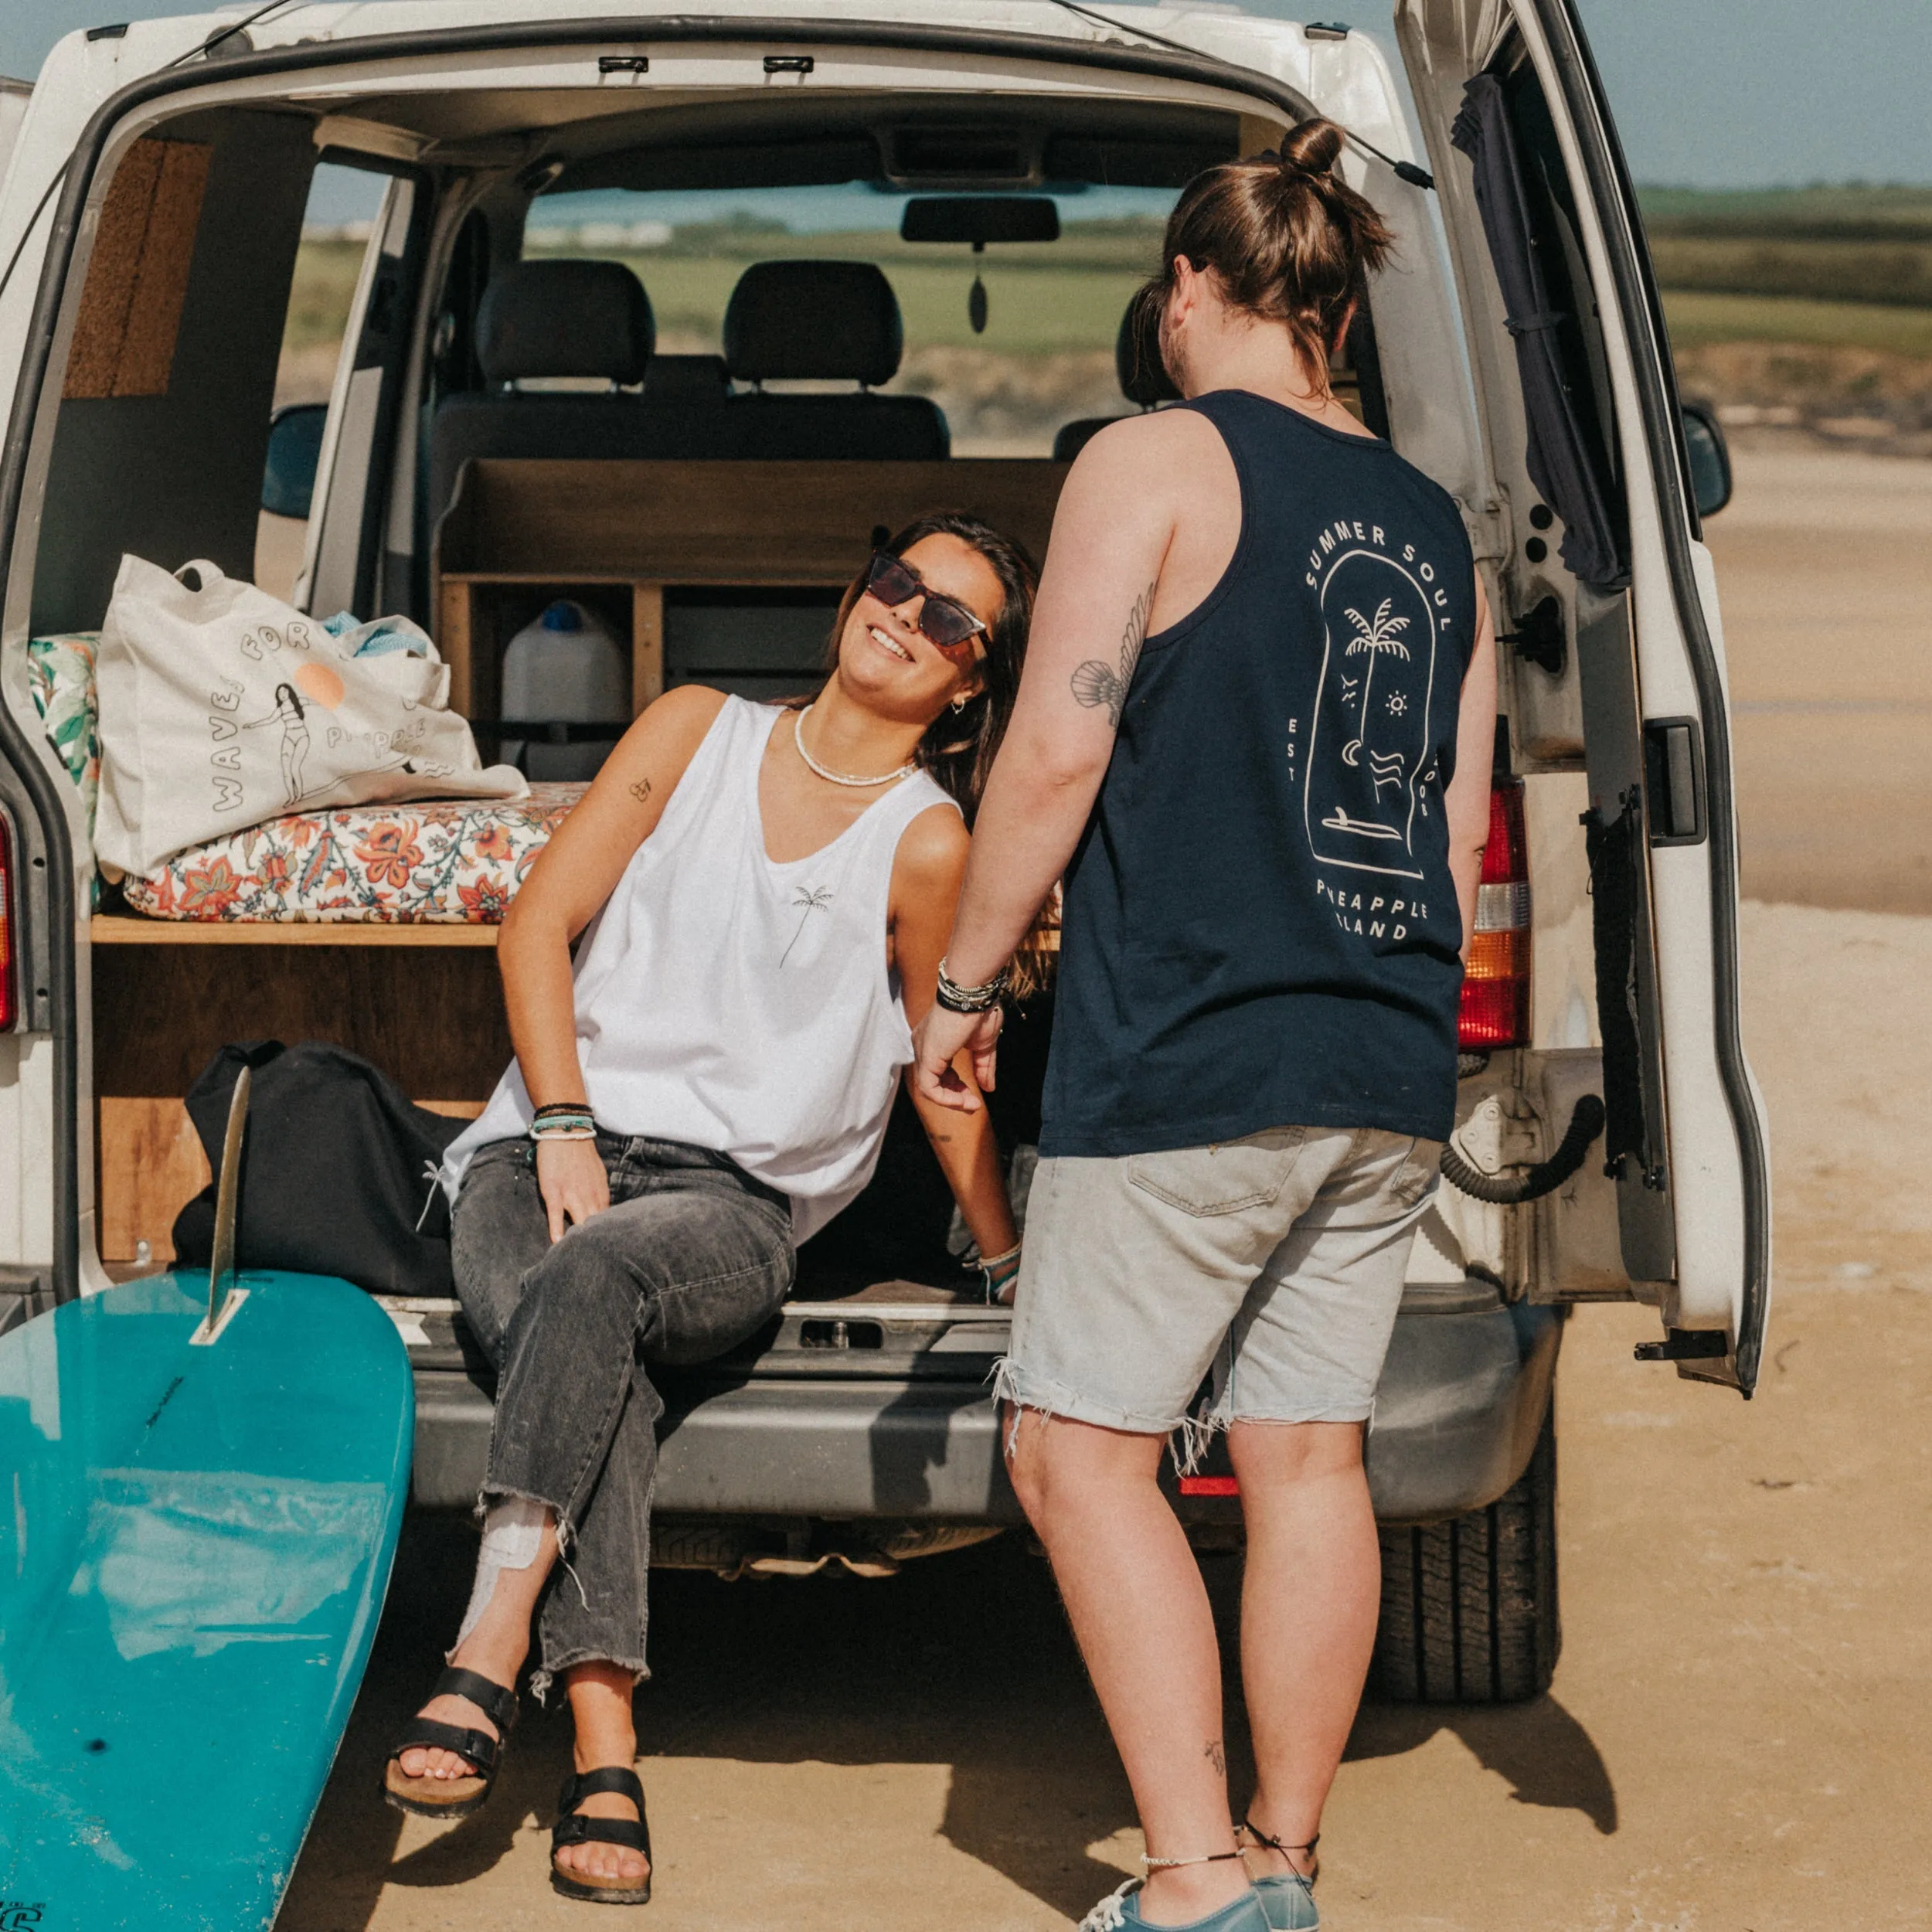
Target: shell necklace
[839,778]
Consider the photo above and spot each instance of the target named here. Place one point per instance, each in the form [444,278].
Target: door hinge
[1540,637]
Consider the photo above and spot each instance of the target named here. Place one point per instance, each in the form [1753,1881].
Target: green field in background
[1031,311]
[1068,296]
[1787,210]
[1695,319]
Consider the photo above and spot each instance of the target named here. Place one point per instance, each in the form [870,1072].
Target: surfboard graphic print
[1372,781]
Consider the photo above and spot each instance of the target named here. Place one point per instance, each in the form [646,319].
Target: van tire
[1469,1607]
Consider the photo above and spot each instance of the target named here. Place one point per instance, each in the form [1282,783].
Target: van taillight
[1495,986]
[9,1005]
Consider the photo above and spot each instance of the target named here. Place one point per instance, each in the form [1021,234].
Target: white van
[707,492]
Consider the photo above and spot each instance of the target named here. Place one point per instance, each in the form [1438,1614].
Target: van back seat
[546,319]
[828,322]
[1143,377]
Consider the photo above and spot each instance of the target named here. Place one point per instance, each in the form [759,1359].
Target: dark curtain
[1560,459]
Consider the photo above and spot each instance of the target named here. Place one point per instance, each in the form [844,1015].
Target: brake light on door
[1495,986]
[9,1005]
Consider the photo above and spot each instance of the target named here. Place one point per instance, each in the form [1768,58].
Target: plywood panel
[646,644]
[112,928]
[431,1018]
[723,523]
[151,1165]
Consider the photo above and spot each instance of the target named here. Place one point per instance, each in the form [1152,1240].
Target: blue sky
[1720,93]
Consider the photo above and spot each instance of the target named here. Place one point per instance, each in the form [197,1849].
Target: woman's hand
[938,1040]
[570,1176]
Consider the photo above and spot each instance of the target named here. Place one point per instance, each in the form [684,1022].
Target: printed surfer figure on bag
[294,720]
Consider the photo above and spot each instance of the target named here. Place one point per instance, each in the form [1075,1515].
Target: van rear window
[1048,310]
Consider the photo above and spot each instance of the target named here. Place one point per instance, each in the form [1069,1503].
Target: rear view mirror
[294,449]
[1710,458]
[980,219]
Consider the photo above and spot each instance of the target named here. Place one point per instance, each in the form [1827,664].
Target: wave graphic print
[1370,757]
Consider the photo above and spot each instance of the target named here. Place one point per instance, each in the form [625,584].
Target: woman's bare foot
[600,1695]
[500,1661]
[616,1867]
[494,1649]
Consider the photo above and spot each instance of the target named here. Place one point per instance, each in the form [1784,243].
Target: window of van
[1043,356]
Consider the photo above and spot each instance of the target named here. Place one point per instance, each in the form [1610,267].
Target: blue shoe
[1289,1903]
[1121,1912]
[1288,1898]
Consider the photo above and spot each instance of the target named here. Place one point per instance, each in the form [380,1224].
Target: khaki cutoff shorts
[1276,1260]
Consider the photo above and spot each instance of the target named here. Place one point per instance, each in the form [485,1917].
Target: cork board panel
[131,305]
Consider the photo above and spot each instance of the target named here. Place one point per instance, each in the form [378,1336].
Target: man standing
[1254,735]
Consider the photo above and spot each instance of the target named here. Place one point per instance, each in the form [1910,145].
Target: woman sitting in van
[764,893]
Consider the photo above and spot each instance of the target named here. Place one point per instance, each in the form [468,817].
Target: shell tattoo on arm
[1094,684]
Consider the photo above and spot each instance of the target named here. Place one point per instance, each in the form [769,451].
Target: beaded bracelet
[957,998]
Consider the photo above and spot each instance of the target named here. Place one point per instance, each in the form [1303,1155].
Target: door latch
[1674,780]
[1686,1345]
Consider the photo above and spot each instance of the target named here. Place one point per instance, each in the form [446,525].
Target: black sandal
[573,1828]
[497,1702]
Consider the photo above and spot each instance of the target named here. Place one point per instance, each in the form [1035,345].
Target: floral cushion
[449,861]
[60,674]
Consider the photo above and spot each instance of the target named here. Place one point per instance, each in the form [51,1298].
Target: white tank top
[735,1004]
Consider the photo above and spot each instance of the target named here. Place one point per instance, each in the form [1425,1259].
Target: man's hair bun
[1288,239]
[1312,147]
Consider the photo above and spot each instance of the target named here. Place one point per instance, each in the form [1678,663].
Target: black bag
[336,1170]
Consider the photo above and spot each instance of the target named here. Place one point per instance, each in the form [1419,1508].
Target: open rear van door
[1575,381]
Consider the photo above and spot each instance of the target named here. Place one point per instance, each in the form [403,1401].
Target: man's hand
[570,1175]
[939,1039]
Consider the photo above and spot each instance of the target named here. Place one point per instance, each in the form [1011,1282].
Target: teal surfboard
[195,1535]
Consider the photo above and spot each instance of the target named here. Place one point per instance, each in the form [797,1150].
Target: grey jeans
[691,1256]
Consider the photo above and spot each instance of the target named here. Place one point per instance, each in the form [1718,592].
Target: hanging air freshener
[976,296]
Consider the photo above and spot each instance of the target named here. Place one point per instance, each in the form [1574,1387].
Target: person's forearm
[1028,823]
[539,995]
[969,1158]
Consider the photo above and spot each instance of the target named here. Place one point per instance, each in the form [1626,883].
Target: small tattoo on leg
[1217,1757]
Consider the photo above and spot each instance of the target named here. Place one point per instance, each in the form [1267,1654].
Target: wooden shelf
[107,929]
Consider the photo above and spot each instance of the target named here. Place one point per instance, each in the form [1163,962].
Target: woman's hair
[959,747]
[1289,241]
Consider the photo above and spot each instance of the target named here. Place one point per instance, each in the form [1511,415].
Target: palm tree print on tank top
[1371,761]
[809,899]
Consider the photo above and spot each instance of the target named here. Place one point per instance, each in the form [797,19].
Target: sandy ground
[1825,571]
[1740,1737]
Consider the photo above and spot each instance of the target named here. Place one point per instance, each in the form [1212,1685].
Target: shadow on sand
[964,1660]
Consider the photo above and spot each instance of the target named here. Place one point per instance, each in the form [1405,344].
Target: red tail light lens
[9,1010]
[1495,986]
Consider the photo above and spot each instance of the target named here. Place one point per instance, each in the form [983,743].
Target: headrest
[564,318]
[1136,358]
[824,319]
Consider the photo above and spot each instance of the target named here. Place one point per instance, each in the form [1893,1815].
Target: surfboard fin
[224,1298]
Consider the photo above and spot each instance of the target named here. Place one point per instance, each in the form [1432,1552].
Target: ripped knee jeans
[692,1256]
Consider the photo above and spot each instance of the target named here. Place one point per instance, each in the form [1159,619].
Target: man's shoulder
[1158,455]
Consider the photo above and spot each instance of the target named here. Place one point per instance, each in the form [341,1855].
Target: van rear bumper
[1462,1397]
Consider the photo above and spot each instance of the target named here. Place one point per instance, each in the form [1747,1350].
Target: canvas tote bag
[221,706]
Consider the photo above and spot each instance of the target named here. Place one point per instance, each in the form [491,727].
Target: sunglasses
[944,622]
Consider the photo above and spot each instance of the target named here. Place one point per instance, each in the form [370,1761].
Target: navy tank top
[1260,928]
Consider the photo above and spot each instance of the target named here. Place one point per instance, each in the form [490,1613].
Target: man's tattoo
[640,789]
[1217,1757]
[1095,683]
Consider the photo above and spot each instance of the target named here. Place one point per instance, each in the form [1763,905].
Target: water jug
[566,672]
